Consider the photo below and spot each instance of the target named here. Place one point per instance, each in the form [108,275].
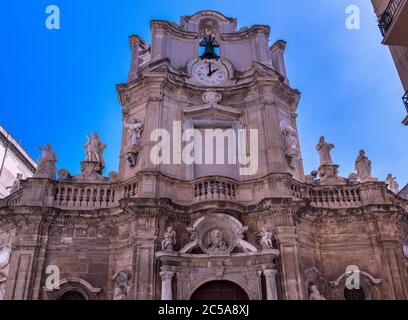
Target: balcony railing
[405,99]
[388,16]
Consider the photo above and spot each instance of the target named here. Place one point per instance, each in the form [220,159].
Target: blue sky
[57,86]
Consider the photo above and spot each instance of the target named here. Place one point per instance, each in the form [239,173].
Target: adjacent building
[15,163]
[393,22]
[210,200]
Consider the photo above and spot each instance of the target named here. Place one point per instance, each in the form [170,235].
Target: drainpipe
[5,154]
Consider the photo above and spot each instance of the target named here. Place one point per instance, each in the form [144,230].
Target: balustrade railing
[12,200]
[215,189]
[338,197]
[78,196]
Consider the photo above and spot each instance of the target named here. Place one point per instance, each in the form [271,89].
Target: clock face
[210,73]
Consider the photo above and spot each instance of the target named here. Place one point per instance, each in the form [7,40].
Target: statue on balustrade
[16,184]
[363,167]
[94,150]
[46,166]
[324,150]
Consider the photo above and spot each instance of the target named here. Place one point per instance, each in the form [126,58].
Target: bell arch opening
[219,290]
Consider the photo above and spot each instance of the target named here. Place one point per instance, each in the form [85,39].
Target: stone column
[271,290]
[167,292]
[291,274]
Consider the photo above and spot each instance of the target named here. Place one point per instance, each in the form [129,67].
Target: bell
[209,52]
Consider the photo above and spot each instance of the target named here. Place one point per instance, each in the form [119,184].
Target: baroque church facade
[161,228]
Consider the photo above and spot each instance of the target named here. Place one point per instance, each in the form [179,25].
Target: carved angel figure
[266,239]
[94,150]
[315,294]
[169,240]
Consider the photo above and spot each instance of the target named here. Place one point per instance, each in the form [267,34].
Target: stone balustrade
[215,189]
[339,197]
[84,196]
[12,200]
[131,190]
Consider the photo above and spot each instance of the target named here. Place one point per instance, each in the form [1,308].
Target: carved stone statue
[363,167]
[216,241]
[46,166]
[94,150]
[169,240]
[135,130]
[315,294]
[266,239]
[291,144]
[121,279]
[2,294]
[16,184]
[392,184]
[324,150]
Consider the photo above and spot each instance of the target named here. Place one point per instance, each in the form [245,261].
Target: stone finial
[392,184]
[46,166]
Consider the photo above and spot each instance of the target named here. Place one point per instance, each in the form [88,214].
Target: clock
[210,73]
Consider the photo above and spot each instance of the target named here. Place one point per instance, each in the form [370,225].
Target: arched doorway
[72,295]
[220,290]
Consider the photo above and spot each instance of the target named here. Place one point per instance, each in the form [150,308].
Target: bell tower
[237,83]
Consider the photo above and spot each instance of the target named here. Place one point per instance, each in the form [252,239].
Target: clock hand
[209,70]
[214,71]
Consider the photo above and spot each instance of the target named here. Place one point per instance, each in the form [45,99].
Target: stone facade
[164,230]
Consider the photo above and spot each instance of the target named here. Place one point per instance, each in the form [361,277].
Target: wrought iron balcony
[405,99]
[388,16]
